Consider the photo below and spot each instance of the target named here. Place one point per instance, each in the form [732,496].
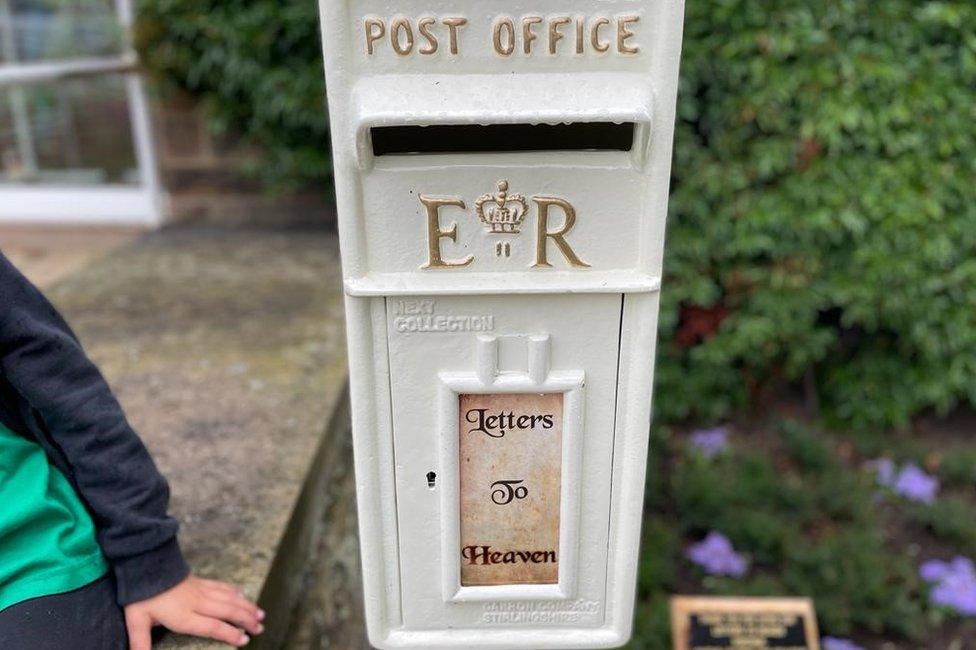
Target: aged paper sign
[704,623]
[511,473]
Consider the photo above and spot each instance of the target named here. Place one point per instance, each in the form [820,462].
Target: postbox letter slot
[493,138]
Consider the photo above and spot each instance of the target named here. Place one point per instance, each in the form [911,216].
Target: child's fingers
[240,616]
[236,600]
[213,628]
[139,629]
[217,585]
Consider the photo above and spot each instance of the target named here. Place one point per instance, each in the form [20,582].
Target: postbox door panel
[503,425]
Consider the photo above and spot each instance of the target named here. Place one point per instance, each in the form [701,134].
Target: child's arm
[65,402]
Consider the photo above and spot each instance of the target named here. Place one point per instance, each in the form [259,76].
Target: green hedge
[823,213]
[257,66]
[824,207]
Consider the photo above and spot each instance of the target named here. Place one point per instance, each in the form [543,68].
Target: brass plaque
[511,473]
[709,623]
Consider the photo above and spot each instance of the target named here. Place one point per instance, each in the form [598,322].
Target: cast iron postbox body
[502,175]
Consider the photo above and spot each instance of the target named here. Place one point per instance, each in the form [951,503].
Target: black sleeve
[44,362]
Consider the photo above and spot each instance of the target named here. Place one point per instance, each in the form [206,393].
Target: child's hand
[205,608]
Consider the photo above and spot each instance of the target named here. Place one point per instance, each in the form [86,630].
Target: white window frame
[142,204]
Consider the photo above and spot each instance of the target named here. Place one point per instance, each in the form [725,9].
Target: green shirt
[47,538]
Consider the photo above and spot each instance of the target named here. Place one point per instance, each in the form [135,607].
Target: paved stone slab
[227,350]
[48,253]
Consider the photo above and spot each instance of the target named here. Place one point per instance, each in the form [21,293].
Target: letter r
[543,234]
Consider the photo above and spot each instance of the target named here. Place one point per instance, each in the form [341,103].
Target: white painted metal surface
[484,266]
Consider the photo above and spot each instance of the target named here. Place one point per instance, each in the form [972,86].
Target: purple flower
[884,469]
[912,483]
[956,592]
[954,584]
[717,557]
[934,570]
[833,643]
[710,442]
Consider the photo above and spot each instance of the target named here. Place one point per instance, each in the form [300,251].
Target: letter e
[435,234]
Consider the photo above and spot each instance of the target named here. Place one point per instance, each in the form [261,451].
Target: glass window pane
[74,132]
[41,30]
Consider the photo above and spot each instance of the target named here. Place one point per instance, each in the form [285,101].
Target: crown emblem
[502,213]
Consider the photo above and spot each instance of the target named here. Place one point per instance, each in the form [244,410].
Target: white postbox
[502,175]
